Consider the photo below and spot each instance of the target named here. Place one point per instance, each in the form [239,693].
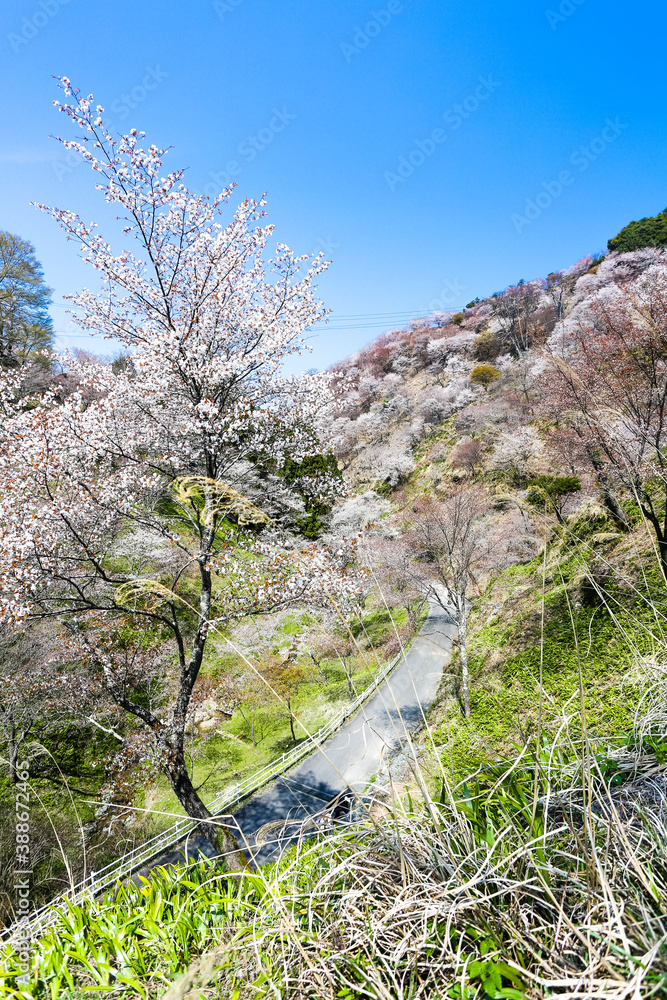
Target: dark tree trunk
[184,790]
[291,720]
[612,504]
[608,493]
[187,795]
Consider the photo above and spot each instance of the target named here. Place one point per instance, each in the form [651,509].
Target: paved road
[276,817]
[270,819]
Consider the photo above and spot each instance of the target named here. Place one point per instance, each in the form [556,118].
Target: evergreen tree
[648,232]
[25,325]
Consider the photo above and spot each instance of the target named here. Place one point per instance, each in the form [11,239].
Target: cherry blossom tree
[516,452]
[514,311]
[451,546]
[182,446]
[608,384]
[392,565]
[41,703]
[468,454]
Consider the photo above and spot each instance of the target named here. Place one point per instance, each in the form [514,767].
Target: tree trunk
[291,719]
[608,493]
[225,841]
[662,548]
[348,674]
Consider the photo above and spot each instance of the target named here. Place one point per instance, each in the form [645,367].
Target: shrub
[487,346]
[484,375]
[552,492]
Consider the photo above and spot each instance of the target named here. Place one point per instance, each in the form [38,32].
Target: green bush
[650,231]
[484,375]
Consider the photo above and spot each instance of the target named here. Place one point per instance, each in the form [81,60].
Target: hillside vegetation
[520,851]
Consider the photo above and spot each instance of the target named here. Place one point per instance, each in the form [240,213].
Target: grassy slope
[591,644]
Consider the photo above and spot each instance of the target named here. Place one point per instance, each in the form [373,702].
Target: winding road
[273,817]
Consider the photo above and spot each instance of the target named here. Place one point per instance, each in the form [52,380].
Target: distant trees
[392,561]
[515,453]
[487,346]
[609,388]
[286,678]
[651,231]
[514,310]
[46,710]
[468,455]
[25,325]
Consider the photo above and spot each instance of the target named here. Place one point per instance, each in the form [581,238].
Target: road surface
[273,817]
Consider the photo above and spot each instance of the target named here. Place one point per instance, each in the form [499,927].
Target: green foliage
[487,346]
[122,943]
[550,492]
[25,325]
[457,319]
[293,625]
[651,231]
[484,375]
[301,476]
[378,626]
[610,636]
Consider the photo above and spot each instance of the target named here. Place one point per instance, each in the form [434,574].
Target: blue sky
[436,152]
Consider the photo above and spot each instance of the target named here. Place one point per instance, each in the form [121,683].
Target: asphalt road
[292,807]
[280,814]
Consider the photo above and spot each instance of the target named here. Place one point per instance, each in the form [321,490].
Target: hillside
[515,851]
[563,567]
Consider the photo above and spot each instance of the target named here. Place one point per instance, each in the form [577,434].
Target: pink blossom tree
[149,504]
[451,546]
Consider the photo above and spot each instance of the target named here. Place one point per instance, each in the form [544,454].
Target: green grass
[585,638]
[479,892]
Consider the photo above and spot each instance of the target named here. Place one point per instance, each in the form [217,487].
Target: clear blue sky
[320,104]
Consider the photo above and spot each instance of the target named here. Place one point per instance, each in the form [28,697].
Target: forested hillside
[203,561]
[545,402]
